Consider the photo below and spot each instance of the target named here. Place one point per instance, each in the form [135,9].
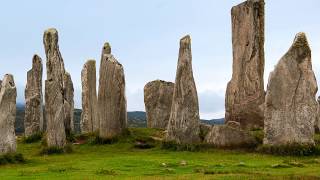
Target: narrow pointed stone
[33,119]
[291,106]
[54,95]
[89,117]
[68,103]
[184,119]
[158,100]
[245,92]
[112,103]
[8,94]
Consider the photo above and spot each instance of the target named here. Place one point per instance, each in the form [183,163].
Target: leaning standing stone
[54,95]
[183,127]
[245,92]
[112,104]
[68,103]
[8,94]
[33,119]
[89,116]
[158,99]
[291,106]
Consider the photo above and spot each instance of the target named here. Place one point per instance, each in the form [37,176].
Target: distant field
[122,161]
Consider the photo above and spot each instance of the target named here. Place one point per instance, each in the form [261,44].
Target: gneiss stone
[158,99]
[89,117]
[8,94]
[68,103]
[291,106]
[112,104]
[183,127]
[54,95]
[33,119]
[245,92]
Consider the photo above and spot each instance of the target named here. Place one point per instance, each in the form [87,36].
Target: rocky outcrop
[291,106]
[8,94]
[112,103]
[158,99]
[33,119]
[245,92]
[183,126]
[54,95]
[229,135]
[68,102]
[89,116]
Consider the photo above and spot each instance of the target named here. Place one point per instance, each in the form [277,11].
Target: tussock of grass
[56,150]
[293,149]
[11,158]
[104,171]
[33,138]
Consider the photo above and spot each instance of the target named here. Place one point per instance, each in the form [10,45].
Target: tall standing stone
[183,127]
[89,116]
[33,119]
[8,94]
[317,123]
[112,103]
[54,95]
[291,106]
[245,92]
[68,103]
[158,100]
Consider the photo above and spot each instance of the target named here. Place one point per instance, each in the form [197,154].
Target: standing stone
[317,123]
[112,103]
[183,127]
[68,104]
[54,95]
[89,116]
[158,99]
[33,119]
[291,106]
[245,92]
[8,94]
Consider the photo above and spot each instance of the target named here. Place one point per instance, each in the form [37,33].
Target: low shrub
[293,149]
[97,140]
[33,138]
[11,158]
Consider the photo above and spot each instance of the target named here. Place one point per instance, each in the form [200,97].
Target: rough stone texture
[229,135]
[245,92]
[291,106]
[183,126]
[33,119]
[158,99]
[54,95]
[68,103]
[8,94]
[317,123]
[112,103]
[89,117]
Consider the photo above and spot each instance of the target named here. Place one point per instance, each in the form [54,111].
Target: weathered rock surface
[112,103]
[33,119]
[89,117]
[54,95]
[317,123]
[8,94]
[229,135]
[245,92]
[158,99]
[68,103]
[291,106]
[183,126]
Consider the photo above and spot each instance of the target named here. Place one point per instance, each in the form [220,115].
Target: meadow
[126,159]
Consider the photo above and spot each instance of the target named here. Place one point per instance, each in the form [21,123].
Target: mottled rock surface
[158,99]
[183,126]
[229,135]
[8,94]
[68,103]
[245,92]
[291,106]
[33,119]
[112,103]
[54,95]
[89,117]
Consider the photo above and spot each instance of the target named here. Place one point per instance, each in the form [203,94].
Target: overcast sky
[144,36]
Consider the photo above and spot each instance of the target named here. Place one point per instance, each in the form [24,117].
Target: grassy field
[123,161]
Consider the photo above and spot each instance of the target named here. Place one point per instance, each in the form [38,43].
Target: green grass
[121,160]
